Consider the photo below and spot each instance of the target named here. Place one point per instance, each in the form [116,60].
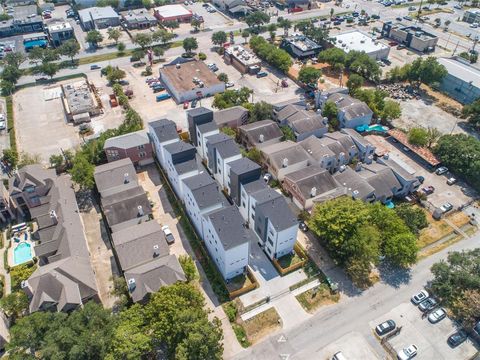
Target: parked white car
[168,234]
[407,353]
[418,298]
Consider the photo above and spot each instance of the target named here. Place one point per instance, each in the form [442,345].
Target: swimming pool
[367,128]
[22,253]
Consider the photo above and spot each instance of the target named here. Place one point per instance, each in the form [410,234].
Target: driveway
[271,283]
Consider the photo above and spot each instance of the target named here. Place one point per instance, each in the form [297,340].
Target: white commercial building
[358,41]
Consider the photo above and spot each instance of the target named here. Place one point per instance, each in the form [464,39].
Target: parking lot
[352,346]
[431,339]
[457,194]
[40,122]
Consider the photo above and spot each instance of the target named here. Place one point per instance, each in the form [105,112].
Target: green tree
[11,74]
[330,110]
[335,57]
[69,48]
[276,57]
[229,131]
[189,268]
[35,55]
[82,172]
[219,38]
[433,135]
[256,19]
[309,75]
[288,133]
[354,83]
[223,77]
[11,157]
[14,59]
[401,249]
[466,307]
[121,47]
[114,34]
[458,273]
[255,155]
[195,23]
[113,73]
[94,37]
[163,36]
[14,305]
[413,216]
[190,44]
[360,63]
[272,30]
[461,154]
[171,24]
[158,52]
[391,110]
[245,35]
[472,113]
[49,69]
[142,40]
[7,87]
[231,98]
[418,136]
[260,111]
[285,24]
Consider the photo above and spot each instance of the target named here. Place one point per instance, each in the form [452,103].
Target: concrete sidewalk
[7,285]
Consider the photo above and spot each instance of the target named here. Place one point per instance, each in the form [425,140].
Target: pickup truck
[113,100]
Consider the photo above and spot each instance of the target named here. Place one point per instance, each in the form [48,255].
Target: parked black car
[303,226]
[457,338]
[385,327]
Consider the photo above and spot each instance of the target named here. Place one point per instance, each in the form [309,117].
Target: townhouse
[203,131]
[241,172]
[161,133]
[221,150]
[284,157]
[259,134]
[135,146]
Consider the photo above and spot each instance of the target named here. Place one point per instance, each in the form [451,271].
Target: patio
[21,245]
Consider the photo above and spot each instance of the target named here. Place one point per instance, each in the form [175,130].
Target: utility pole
[456,46]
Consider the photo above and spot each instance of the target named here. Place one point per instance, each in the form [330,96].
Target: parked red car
[428,190]
[185,105]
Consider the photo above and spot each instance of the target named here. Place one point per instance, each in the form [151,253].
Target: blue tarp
[33,43]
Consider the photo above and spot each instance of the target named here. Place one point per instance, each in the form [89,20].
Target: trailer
[113,100]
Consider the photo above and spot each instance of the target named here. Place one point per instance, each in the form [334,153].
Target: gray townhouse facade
[162,132]
[221,150]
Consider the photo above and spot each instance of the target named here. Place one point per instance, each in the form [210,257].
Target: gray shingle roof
[127,141]
[316,148]
[267,128]
[207,127]
[186,166]
[254,186]
[354,183]
[204,190]
[124,206]
[313,177]
[229,227]
[150,277]
[111,177]
[289,150]
[274,207]
[352,107]
[139,244]
[243,165]
[178,147]
[231,114]
[164,129]
[224,144]
[308,124]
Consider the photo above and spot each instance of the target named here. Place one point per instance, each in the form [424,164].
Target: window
[30,189]
[141,147]
[243,203]
[270,241]
[142,154]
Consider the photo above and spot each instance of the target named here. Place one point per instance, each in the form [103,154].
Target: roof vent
[53,214]
[156,253]
[177,66]
[126,179]
[386,156]
[131,284]
[313,192]
[261,138]
[285,162]
[355,193]
[140,210]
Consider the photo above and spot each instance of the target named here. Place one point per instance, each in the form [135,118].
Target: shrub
[231,311]
[202,56]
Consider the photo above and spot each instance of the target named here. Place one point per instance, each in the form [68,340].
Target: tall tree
[195,23]
[260,111]
[272,30]
[69,48]
[142,40]
[114,34]
[285,24]
[418,136]
[354,82]
[245,35]
[309,75]
[190,44]
[94,37]
[256,19]
[219,38]
[50,69]
[82,171]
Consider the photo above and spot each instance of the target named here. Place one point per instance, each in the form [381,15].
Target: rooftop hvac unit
[285,162]
[362,41]
[131,284]
[313,192]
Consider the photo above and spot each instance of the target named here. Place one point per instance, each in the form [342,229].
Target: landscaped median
[252,330]
[318,296]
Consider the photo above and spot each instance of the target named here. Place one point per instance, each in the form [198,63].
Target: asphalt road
[352,314]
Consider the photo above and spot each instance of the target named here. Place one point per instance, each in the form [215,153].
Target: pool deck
[14,244]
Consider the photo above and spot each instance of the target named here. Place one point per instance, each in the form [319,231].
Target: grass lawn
[288,260]
[262,324]
[436,230]
[238,282]
[434,249]
[311,301]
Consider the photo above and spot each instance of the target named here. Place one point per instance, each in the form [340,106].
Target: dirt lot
[41,126]
[431,339]
[457,194]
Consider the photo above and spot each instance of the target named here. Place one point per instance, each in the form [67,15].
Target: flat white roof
[461,71]
[59,27]
[358,41]
[167,11]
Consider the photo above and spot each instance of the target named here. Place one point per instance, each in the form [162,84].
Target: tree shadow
[393,275]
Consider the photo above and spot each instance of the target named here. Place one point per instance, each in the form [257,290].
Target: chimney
[53,216]
[358,167]
[261,138]
[285,162]
[140,210]
[386,156]
[131,285]
[126,178]
[369,159]
[313,192]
